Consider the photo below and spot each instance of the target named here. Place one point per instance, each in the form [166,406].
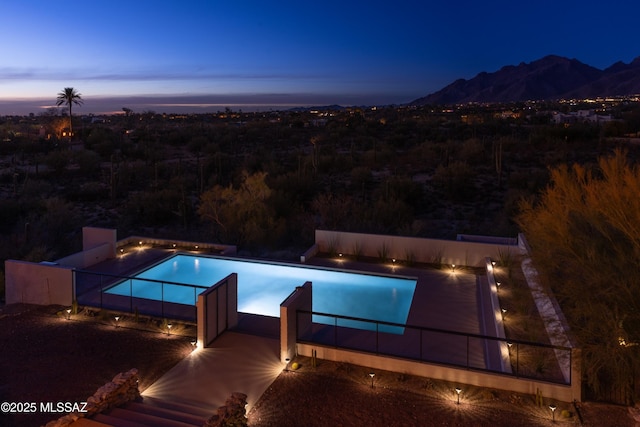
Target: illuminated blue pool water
[262,287]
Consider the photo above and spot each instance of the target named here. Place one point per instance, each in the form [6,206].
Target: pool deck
[131,262]
[247,359]
[442,299]
[450,301]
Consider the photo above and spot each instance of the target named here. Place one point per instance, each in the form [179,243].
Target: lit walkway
[236,362]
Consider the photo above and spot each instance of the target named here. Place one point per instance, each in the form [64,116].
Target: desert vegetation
[584,235]
[265,181]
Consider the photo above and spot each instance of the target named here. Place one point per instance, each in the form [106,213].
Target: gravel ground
[46,358]
[338,394]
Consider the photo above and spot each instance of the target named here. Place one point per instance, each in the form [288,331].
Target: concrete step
[182,415]
[86,422]
[153,412]
[180,406]
[115,422]
[149,420]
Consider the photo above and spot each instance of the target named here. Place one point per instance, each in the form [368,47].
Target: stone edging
[122,389]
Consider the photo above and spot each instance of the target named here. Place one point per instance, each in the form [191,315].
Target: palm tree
[69,96]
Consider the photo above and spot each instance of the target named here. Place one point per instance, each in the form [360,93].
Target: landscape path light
[117,318]
[458,390]
[68,313]
[169,325]
[553,412]
[371,374]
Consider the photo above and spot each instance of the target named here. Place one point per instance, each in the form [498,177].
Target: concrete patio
[235,362]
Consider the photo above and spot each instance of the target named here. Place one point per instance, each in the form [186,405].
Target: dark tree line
[394,171]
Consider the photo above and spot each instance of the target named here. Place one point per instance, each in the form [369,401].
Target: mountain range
[550,78]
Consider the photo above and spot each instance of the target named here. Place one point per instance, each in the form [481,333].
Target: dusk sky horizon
[203,56]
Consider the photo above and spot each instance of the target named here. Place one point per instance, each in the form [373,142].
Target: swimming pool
[262,287]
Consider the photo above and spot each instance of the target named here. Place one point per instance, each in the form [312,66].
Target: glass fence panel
[143,296]
[444,347]
[406,345]
[487,354]
[470,351]
[320,333]
[357,339]
[537,362]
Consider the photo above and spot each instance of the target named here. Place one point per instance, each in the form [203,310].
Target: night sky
[177,56]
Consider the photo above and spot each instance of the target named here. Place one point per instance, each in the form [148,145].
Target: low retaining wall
[179,244]
[88,257]
[564,393]
[98,244]
[415,249]
[551,314]
[310,253]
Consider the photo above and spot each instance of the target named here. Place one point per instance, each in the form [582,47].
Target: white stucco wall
[300,299]
[42,284]
[92,237]
[458,252]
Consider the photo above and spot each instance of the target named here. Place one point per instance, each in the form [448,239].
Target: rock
[232,414]
[123,389]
